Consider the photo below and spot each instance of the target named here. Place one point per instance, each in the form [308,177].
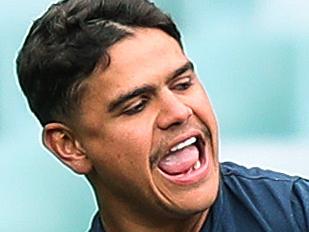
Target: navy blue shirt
[254,200]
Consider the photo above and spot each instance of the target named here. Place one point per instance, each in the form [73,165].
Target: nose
[173,111]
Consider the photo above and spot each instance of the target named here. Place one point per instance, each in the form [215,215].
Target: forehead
[148,52]
[147,57]
[145,45]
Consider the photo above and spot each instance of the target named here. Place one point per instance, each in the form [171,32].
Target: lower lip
[192,177]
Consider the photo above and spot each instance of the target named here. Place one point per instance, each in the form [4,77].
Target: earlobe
[60,140]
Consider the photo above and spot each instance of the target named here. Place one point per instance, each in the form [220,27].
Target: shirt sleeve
[300,203]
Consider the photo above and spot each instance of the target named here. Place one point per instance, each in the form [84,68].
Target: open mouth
[186,162]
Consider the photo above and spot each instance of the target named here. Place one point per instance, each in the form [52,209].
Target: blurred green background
[253,59]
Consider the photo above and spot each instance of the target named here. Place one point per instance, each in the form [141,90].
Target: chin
[185,200]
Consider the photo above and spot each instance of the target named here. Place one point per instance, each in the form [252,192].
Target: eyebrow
[146,89]
[186,67]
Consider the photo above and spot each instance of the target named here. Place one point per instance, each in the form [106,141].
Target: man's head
[69,41]
[121,103]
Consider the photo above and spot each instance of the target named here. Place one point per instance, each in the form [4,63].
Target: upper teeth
[183,144]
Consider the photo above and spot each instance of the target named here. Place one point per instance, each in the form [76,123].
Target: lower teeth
[197,165]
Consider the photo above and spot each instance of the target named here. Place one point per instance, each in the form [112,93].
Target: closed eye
[182,84]
[136,107]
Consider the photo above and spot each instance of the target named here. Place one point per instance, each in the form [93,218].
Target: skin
[118,144]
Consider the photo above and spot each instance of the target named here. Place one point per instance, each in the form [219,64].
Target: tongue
[180,161]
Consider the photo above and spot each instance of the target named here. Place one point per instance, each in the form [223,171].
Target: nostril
[176,123]
[173,110]
[174,116]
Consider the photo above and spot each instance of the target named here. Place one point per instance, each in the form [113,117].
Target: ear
[60,140]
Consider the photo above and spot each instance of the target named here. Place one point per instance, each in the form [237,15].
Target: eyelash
[183,85]
[140,106]
[136,108]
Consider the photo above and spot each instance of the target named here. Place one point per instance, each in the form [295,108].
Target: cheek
[132,137]
[126,146]
[203,108]
[123,165]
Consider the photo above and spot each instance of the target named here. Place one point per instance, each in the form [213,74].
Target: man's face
[149,130]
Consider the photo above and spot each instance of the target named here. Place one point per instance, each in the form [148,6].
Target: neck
[116,218]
